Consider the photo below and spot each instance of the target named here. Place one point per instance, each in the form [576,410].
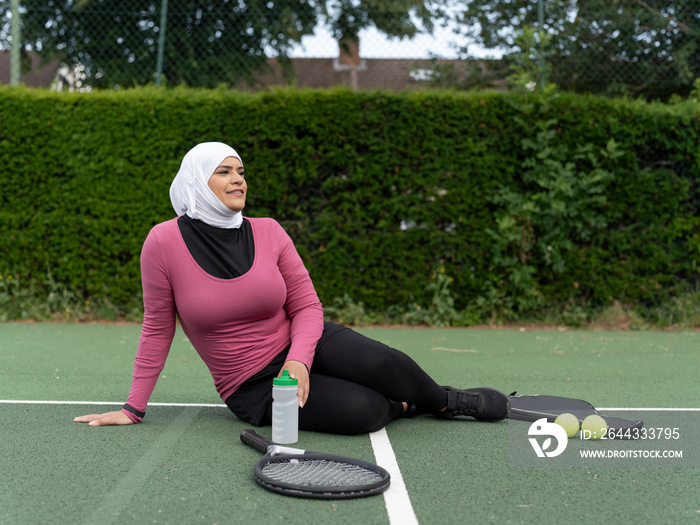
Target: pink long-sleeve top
[237,326]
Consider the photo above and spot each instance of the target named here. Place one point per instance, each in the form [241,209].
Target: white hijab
[190,193]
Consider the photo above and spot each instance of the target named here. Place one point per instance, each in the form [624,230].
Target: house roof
[39,76]
[351,71]
[372,73]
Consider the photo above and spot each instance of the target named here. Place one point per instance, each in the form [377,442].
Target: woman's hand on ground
[108,418]
[298,370]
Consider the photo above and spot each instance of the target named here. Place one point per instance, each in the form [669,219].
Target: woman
[248,306]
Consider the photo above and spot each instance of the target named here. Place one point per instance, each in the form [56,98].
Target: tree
[635,47]
[207,42]
[393,17]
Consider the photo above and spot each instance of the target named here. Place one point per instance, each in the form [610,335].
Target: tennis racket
[296,472]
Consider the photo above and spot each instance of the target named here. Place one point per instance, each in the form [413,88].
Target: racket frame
[279,453]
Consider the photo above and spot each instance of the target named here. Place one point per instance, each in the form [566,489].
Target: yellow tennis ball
[569,423]
[593,427]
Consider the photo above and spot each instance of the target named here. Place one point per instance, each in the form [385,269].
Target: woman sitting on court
[248,306]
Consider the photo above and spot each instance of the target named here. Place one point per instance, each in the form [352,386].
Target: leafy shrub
[526,201]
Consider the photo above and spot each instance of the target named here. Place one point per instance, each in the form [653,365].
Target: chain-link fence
[612,47]
[634,47]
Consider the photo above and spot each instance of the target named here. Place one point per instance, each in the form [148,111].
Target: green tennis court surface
[185,463]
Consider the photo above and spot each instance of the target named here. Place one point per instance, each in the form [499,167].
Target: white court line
[221,405]
[398,504]
[119,403]
[652,409]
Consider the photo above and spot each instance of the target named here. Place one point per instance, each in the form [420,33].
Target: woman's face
[228,183]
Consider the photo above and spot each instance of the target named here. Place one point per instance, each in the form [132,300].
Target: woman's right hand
[108,418]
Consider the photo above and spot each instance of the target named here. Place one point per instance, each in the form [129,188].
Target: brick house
[348,69]
[39,76]
[354,72]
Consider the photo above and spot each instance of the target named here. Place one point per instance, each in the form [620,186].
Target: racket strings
[319,472]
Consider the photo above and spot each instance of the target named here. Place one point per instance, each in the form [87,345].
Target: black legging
[357,385]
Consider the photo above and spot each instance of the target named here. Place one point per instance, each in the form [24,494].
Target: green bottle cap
[285,380]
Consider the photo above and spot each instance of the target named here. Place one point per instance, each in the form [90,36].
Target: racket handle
[251,438]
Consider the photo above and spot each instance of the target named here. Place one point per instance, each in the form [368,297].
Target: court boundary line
[105,403]
[651,409]
[396,498]
[221,405]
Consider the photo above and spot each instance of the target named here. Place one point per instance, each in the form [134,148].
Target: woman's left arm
[302,305]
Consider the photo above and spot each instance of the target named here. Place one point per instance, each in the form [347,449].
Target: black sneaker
[483,404]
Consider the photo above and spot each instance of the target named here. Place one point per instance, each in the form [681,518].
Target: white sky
[374,44]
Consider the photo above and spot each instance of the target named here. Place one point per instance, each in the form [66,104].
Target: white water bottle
[285,409]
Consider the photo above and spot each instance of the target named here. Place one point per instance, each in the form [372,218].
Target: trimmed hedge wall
[524,201]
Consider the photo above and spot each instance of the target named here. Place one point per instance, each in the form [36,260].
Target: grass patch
[46,300]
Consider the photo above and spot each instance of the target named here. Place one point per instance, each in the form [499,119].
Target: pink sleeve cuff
[133,417]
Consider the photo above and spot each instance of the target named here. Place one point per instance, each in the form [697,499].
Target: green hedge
[525,201]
